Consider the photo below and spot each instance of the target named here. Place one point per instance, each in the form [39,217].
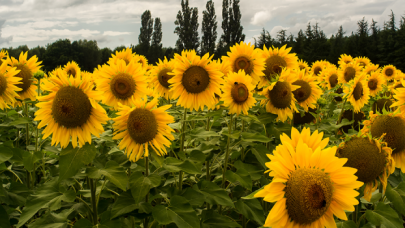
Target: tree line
[383,45]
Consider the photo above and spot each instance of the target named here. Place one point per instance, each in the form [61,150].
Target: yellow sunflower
[223,66]
[8,85]
[345,59]
[317,67]
[125,55]
[392,125]
[348,72]
[358,92]
[70,111]
[195,81]
[280,99]
[313,140]
[309,92]
[72,69]
[27,69]
[399,95]
[159,78]
[238,93]
[362,61]
[122,83]
[276,59]
[389,72]
[308,187]
[142,60]
[375,81]
[142,126]
[303,65]
[329,78]
[245,57]
[370,68]
[3,56]
[372,159]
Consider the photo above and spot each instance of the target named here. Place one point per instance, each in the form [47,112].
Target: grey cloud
[4,40]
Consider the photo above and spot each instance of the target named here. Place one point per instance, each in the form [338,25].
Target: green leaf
[29,159]
[83,223]
[195,198]
[71,159]
[233,135]
[5,154]
[266,118]
[260,151]
[384,215]
[52,220]
[346,224]
[254,137]
[175,165]
[202,133]
[4,218]
[211,219]
[255,171]
[124,204]
[113,172]
[140,185]
[397,196]
[19,121]
[213,193]
[252,195]
[251,209]
[241,176]
[179,212]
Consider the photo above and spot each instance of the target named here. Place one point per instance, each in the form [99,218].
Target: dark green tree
[337,44]
[155,51]
[37,51]
[298,47]
[264,39]
[88,54]
[281,38]
[58,54]
[209,29]
[105,55]
[187,27]
[145,34]
[235,26]
[362,41]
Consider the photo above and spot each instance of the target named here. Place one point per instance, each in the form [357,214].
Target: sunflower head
[329,77]
[389,72]
[358,92]
[375,82]
[345,59]
[8,85]
[3,56]
[303,65]
[72,69]
[141,60]
[160,76]
[317,67]
[362,61]
[370,68]
[125,54]
[309,92]
[348,72]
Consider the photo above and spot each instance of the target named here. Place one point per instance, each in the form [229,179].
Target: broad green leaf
[83,223]
[384,215]
[397,196]
[260,151]
[51,220]
[202,133]
[241,176]
[29,159]
[251,209]
[179,212]
[197,156]
[175,165]
[252,195]
[254,137]
[346,224]
[113,172]
[140,185]
[4,218]
[19,121]
[5,154]
[233,135]
[17,156]
[213,193]
[72,159]
[124,204]
[195,198]
[255,171]
[266,118]
[211,219]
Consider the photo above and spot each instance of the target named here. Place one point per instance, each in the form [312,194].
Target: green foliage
[209,29]
[187,27]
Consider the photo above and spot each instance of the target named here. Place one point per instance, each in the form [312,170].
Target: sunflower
[125,54]
[309,187]
[329,78]
[389,72]
[358,92]
[142,126]
[122,83]
[399,95]
[238,94]
[223,66]
[313,140]
[142,60]
[392,125]
[8,85]
[195,80]
[245,57]
[72,69]
[276,59]
[27,69]
[69,111]
[345,59]
[348,72]
[375,82]
[371,158]
[303,65]
[309,92]
[370,68]
[159,78]
[3,56]
[362,61]
[280,99]
[317,67]
[382,103]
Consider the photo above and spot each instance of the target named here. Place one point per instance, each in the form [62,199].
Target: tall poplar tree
[187,27]
[155,51]
[231,19]
[209,29]
[145,34]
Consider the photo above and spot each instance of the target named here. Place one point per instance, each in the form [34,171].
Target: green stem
[146,221]
[93,200]
[243,149]
[87,206]
[207,163]
[182,146]
[27,128]
[354,215]
[227,152]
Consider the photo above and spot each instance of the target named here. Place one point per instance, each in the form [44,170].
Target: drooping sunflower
[122,83]
[345,59]
[27,69]
[317,67]
[375,82]
[3,56]
[142,126]
[70,111]
[309,92]
[313,140]
[306,118]
[72,69]
[303,65]
[8,85]
[372,159]
[280,99]
[370,68]
[348,72]
[389,72]
[159,78]
[362,61]
[329,78]
[276,59]
[309,187]
[358,118]
[358,92]
[195,81]
[245,57]
[125,54]
[238,95]
[392,125]
[382,104]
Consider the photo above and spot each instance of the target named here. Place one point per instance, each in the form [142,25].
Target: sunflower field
[257,138]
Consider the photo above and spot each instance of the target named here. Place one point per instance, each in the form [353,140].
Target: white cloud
[276,29]
[114,33]
[260,18]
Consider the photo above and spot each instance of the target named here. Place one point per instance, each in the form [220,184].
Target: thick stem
[27,143]
[146,221]
[242,152]
[182,146]
[354,215]
[93,200]
[227,152]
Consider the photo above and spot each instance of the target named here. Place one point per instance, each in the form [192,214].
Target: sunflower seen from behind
[159,77]
[245,57]
[70,111]
[141,126]
[358,92]
[195,81]
[276,59]
[122,83]
[238,93]
[309,92]
[309,187]
[375,83]
[8,85]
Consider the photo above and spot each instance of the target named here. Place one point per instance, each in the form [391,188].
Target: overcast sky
[116,22]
